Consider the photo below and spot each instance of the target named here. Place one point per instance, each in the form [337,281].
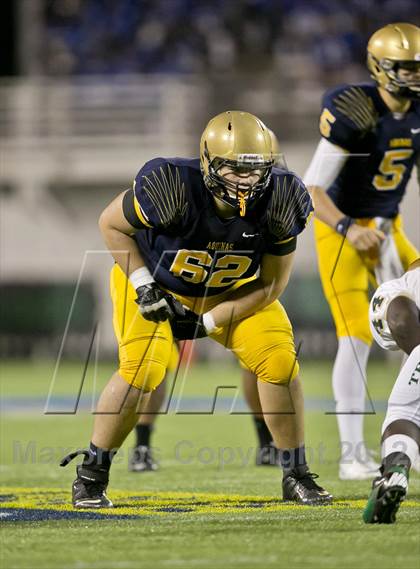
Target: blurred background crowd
[91,89]
[195,36]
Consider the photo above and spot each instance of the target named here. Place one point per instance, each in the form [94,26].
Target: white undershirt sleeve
[326,164]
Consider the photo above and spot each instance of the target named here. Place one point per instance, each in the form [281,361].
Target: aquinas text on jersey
[220,246]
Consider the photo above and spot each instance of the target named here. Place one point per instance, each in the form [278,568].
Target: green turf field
[208,505]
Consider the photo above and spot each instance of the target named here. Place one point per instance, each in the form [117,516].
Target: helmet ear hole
[386,64]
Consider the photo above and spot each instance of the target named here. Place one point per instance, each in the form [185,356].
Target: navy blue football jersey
[192,251]
[385,147]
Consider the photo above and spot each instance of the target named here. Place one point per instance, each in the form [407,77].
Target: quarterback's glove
[156,304]
[188,327]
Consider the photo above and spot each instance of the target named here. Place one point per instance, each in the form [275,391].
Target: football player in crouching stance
[395,323]
[188,240]
[142,456]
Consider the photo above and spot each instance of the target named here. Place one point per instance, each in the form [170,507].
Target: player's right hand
[364,238]
[157,305]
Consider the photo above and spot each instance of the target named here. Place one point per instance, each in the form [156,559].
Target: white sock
[400,443]
[348,380]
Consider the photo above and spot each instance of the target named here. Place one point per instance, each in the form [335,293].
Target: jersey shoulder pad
[290,206]
[160,194]
[348,114]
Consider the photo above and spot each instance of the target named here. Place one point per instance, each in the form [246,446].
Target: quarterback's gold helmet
[390,49]
[241,142]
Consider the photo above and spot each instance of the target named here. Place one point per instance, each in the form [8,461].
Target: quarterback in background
[204,247]
[395,323]
[357,178]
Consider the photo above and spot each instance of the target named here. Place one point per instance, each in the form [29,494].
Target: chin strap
[242,203]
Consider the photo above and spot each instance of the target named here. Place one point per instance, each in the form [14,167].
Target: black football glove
[156,304]
[188,327]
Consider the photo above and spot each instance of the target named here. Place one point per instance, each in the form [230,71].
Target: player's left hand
[188,327]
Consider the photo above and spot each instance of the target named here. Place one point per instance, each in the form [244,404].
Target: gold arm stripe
[310,215]
[141,215]
[284,241]
[283,248]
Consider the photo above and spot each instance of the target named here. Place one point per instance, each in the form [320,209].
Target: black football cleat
[141,460]
[299,486]
[388,491]
[267,455]
[88,490]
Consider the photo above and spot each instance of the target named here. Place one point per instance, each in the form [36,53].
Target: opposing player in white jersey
[394,316]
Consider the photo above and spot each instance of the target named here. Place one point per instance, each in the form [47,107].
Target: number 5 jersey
[383,147]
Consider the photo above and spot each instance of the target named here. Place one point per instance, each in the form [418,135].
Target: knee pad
[144,375]
[279,367]
[398,412]
[404,401]
[400,408]
[144,361]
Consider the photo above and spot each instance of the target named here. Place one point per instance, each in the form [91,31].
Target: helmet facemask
[237,194]
[398,86]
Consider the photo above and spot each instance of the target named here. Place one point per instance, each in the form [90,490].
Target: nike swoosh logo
[415,130]
[249,234]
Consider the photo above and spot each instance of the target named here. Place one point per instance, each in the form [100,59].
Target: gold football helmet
[393,48]
[239,142]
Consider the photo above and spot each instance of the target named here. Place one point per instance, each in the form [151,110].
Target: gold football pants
[345,275]
[263,342]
